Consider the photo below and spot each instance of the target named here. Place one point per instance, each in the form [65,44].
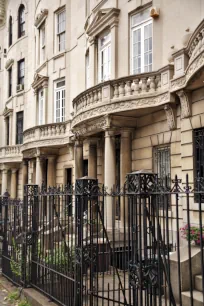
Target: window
[41,107]
[21,71]
[19,128]
[61,27]
[21,21]
[162,163]
[10,82]
[10,32]
[104,57]
[60,101]
[7,121]
[198,135]
[87,71]
[141,40]
[42,44]
[162,166]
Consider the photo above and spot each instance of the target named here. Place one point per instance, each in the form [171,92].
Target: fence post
[83,251]
[5,234]
[30,228]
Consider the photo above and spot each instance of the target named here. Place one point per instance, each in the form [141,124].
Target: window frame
[21,79]
[62,33]
[10,74]
[41,44]
[61,108]
[10,38]
[41,104]
[156,149]
[21,12]
[133,28]
[19,135]
[101,50]
[87,66]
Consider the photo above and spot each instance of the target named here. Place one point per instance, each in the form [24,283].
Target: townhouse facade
[100,88]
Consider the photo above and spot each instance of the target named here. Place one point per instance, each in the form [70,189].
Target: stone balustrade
[46,132]
[10,151]
[196,42]
[134,86]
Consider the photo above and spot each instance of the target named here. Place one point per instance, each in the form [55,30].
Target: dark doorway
[85,167]
[69,197]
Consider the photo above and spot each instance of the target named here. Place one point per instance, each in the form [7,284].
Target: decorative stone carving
[40,18]
[2,10]
[9,63]
[94,126]
[171,116]
[185,104]
[39,81]
[7,112]
[104,18]
[117,106]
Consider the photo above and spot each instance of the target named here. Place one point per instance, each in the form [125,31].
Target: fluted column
[38,171]
[109,177]
[51,173]
[4,180]
[92,160]
[125,167]
[78,158]
[14,183]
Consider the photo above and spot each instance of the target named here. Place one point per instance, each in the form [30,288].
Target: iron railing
[68,243]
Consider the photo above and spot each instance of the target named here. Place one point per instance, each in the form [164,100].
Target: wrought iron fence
[68,243]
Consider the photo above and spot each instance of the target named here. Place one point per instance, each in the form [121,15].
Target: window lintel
[40,81]
[41,18]
[105,18]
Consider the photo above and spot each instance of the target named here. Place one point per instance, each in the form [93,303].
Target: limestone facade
[99,87]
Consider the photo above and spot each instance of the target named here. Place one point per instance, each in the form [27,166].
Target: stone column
[92,160]
[78,159]
[100,162]
[25,172]
[114,51]
[109,177]
[38,171]
[51,173]
[125,167]
[14,183]
[92,61]
[4,180]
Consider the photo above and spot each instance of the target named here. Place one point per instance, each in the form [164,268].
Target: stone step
[197,298]
[198,283]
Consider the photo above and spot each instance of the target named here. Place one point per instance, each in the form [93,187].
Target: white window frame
[133,28]
[41,106]
[42,43]
[61,32]
[59,101]
[87,63]
[101,50]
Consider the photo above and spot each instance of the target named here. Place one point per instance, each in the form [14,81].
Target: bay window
[59,101]
[104,47]
[141,43]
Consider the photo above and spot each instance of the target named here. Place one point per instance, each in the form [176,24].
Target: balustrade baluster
[152,85]
[136,86]
[144,85]
[99,95]
[122,89]
[158,81]
[91,97]
[128,88]
[116,91]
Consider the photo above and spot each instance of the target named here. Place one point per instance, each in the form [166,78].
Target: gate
[70,244]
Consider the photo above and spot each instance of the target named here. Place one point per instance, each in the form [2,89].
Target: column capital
[14,170]
[51,158]
[78,142]
[92,141]
[126,132]
[25,162]
[5,170]
[110,132]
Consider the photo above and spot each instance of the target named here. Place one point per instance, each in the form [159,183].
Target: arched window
[10,32]
[21,21]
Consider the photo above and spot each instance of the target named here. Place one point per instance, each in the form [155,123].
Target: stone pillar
[109,177]
[51,173]
[4,180]
[114,51]
[38,171]
[25,173]
[78,159]
[100,162]
[92,61]
[92,160]
[14,183]
[125,168]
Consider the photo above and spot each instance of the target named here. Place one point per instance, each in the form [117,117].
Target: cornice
[39,81]
[104,18]
[7,112]
[40,18]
